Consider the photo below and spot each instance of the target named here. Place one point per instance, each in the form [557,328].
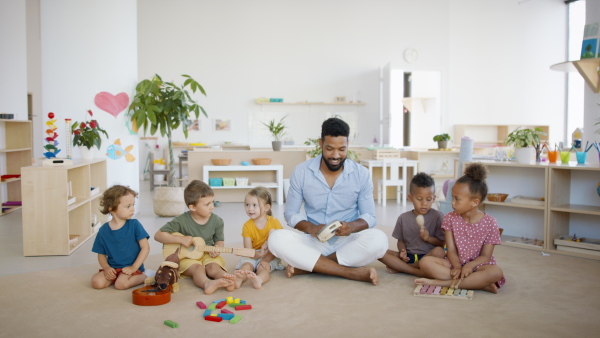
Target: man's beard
[334,168]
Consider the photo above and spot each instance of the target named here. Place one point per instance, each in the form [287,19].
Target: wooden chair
[153,172]
[395,165]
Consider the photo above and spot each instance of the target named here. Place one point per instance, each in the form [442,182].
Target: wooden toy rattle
[196,250]
[420,221]
[327,232]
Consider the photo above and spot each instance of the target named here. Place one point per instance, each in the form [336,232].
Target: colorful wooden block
[236,300]
[229,300]
[171,323]
[212,306]
[235,319]
[235,304]
[225,311]
[206,313]
[226,316]
[213,318]
[201,305]
[243,307]
[221,304]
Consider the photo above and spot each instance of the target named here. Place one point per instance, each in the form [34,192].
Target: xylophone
[443,292]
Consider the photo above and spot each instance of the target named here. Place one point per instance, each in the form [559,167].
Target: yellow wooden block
[236,300]
[229,300]
[214,314]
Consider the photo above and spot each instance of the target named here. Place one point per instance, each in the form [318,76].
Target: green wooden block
[212,306]
[172,324]
[235,319]
[235,304]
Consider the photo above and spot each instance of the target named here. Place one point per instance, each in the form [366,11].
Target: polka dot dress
[470,238]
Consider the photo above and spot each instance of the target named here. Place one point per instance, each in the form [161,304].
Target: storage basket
[261,161]
[215,182]
[221,161]
[228,181]
[241,181]
[497,197]
[386,153]
[168,201]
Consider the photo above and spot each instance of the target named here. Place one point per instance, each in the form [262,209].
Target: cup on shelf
[581,157]
[565,156]
[553,156]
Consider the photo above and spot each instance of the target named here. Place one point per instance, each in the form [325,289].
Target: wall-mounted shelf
[310,103]
[588,68]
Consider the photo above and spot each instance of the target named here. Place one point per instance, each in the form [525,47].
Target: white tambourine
[327,232]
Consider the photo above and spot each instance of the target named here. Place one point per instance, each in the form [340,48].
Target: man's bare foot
[289,271]
[212,285]
[373,277]
[491,288]
[390,270]
[256,280]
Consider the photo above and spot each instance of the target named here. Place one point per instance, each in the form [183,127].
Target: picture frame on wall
[340,99]
[222,125]
[194,126]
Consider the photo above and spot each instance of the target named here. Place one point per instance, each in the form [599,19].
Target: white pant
[302,251]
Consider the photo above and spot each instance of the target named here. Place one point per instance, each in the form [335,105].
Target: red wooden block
[226,311]
[213,318]
[201,305]
[243,307]
[221,304]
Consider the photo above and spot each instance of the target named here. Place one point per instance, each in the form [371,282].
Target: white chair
[395,165]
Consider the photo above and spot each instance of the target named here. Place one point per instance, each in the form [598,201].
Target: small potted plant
[442,140]
[87,135]
[277,129]
[526,142]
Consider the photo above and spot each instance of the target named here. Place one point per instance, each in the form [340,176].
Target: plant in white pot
[277,129]
[527,144]
[87,136]
[164,106]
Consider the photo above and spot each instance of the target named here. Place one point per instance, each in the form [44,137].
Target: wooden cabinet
[61,206]
[275,182]
[570,203]
[15,152]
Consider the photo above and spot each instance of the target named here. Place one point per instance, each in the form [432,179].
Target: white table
[414,164]
[277,168]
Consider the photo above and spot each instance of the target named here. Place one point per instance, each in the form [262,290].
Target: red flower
[77,132]
[93,124]
[90,112]
[82,125]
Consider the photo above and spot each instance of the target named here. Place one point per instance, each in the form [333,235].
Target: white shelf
[310,104]
[278,169]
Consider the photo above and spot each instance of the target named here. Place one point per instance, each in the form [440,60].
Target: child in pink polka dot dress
[471,236]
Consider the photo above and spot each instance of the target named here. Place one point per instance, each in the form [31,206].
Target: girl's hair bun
[476,171]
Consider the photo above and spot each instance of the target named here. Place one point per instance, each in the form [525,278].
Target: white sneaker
[149,273]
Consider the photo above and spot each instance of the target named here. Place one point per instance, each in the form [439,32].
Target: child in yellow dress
[255,234]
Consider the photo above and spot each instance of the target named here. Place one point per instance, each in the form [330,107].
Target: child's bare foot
[491,288]
[240,277]
[231,277]
[256,280]
[390,270]
[212,285]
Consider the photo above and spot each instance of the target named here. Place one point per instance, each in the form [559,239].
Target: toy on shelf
[51,135]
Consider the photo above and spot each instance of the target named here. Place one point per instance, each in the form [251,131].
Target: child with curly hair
[471,235]
[122,243]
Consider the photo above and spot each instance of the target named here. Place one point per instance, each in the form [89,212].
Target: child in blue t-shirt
[122,243]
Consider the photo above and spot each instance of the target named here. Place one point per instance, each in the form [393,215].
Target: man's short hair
[334,127]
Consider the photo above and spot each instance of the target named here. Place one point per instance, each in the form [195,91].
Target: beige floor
[545,296]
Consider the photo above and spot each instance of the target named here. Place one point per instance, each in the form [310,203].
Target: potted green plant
[526,142]
[442,140]
[160,106]
[277,129]
[87,135]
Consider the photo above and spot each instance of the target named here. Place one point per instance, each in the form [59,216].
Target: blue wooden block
[226,316]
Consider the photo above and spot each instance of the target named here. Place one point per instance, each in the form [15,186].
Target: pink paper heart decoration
[112,104]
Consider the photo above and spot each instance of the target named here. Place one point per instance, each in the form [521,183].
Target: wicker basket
[169,202]
[497,197]
[261,161]
[221,161]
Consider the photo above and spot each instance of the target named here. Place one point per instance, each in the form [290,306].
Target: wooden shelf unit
[587,68]
[52,226]
[311,103]
[15,152]
[492,134]
[570,205]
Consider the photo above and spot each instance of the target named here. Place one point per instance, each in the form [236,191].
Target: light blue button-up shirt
[350,198]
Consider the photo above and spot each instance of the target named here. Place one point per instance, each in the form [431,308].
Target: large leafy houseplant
[164,106]
[87,133]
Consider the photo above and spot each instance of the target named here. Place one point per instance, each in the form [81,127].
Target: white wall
[89,47]
[591,108]
[494,56]
[13,57]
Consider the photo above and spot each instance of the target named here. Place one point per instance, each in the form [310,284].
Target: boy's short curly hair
[334,127]
[112,197]
[195,191]
[421,180]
